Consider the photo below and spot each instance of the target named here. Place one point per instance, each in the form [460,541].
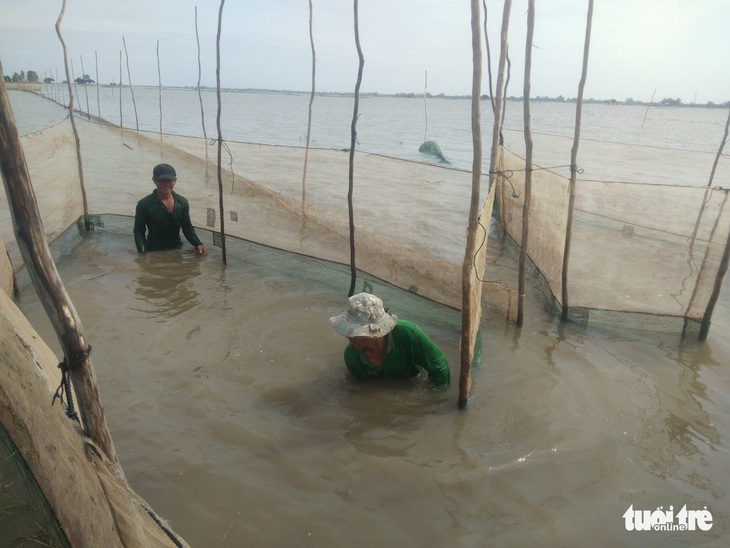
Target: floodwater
[234,416]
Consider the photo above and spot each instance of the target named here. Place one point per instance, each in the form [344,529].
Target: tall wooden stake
[574,166]
[129,79]
[353,141]
[220,133]
[309,116]
[87,220]
[528,165]
[200,96]
[470,286]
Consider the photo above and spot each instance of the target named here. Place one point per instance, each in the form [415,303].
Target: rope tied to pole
[65,385]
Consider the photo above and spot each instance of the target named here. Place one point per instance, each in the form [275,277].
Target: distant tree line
[31,77]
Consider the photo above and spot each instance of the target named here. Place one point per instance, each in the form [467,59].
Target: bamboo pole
[87,221]
[309,115]
[220,134]
[200,95]
[353,141]
[528,165]
[32,243]
[574,166]
[129,79]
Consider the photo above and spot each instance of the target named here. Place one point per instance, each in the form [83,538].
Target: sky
[640,49]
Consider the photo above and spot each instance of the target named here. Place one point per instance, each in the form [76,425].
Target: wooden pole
[353,141]
[471,268]
[698,222]
[121,120]
[489,57]
[220,133]
[309,115]
[87,220]
[31,240]
[129,79]
[200,95]
[425,104]
[86,88]
[98,100]
[159,87]
[719,151]
[715,295]
[574,166]
[528,165]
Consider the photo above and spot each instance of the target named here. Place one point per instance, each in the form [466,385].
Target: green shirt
[156,228]
[408,351]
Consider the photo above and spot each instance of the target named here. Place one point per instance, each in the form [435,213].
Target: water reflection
[165,283]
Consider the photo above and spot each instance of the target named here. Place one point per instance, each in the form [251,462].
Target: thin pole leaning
[32,243]
[309,115]
[715,295]
[528,165]
[574,167]
[468,292]
[87,220]
[218,125]
[200,95]
[353,141]
[129,79]
[719,151]
[500,93]
[698,222]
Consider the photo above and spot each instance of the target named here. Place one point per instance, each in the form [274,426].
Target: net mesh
[651,251]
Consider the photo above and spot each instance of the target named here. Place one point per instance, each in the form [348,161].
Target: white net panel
[649,250]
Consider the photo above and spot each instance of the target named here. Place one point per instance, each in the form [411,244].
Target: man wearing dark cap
[160,216]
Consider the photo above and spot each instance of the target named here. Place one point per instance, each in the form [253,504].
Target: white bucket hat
[365,317]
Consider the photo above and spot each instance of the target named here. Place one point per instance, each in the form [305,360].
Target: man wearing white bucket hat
[381,345]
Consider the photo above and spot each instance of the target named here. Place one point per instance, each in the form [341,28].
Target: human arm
[140,228]
[424,352]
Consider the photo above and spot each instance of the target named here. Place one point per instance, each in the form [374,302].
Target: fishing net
[643,255]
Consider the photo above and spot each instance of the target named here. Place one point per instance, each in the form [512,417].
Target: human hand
[201,249]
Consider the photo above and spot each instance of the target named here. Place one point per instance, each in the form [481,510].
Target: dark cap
[163,172]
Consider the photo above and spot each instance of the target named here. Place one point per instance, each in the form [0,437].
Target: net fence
[643,254]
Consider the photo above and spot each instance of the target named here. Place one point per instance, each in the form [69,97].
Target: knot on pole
[65,386]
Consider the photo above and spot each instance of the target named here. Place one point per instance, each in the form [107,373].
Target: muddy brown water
[234,416]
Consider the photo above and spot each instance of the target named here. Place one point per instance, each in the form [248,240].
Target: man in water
[160,216]
[381,345]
